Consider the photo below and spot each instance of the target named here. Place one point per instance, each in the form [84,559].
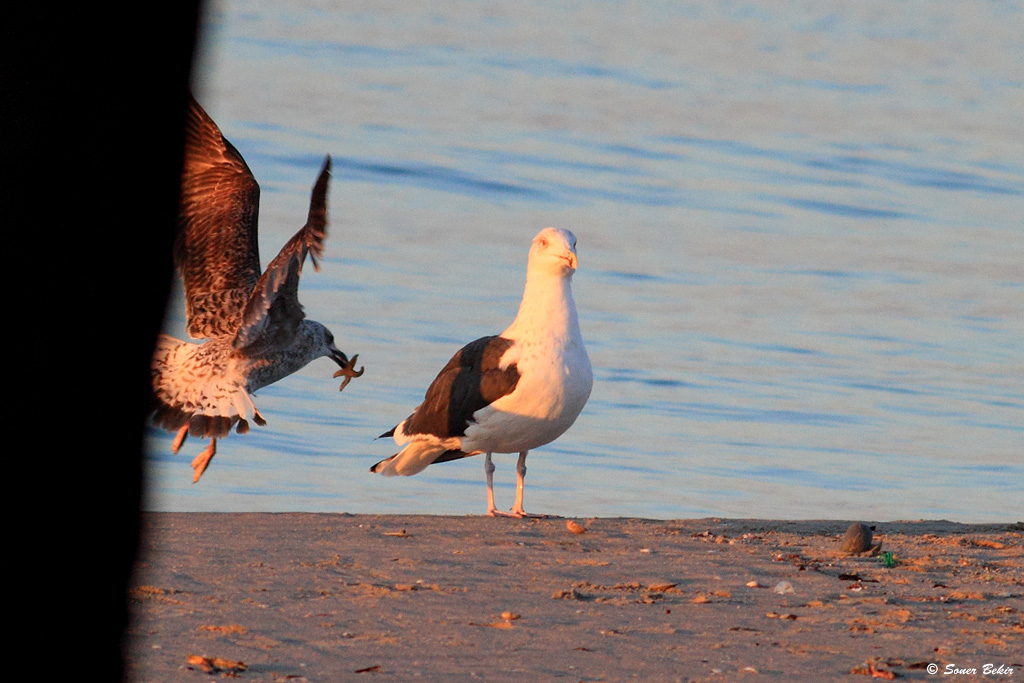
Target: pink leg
[517,508]
[202,461]
[491,510]
[489,471]
[179,439]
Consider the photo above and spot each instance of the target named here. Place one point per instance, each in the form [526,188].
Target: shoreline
[337,596]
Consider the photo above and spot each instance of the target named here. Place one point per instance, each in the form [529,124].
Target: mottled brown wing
[273,312]
[216,248]
[471,380]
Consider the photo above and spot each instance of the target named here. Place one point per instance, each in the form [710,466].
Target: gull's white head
[553,251]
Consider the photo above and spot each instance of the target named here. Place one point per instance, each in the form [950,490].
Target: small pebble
[660,586]
[783,587]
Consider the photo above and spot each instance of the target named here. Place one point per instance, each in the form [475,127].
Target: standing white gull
[256,332]
[508,393]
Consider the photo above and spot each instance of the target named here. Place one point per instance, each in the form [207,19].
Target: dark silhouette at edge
[92,114]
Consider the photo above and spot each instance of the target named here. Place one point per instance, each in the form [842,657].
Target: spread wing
[471,380]
[215,248]
[273,312]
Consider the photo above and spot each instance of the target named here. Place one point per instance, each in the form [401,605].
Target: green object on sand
[888,560]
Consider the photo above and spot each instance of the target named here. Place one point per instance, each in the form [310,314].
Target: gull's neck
[266,368]
[547,310]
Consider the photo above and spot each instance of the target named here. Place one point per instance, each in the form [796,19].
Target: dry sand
[321,597]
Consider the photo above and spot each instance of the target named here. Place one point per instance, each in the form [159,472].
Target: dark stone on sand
[857,538]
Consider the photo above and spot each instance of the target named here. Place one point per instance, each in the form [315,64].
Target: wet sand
[337,597]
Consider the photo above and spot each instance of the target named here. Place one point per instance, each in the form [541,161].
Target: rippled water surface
[800,232]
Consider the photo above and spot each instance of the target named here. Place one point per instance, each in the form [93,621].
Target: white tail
[412,459]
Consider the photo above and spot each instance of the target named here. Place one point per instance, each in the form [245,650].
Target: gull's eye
[542,242]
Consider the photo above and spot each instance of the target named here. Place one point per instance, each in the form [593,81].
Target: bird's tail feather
[412,459]
[187,392]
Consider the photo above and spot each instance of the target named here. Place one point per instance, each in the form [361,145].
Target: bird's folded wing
[471,380]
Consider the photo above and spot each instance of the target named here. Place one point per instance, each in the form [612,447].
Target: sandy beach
[336,597]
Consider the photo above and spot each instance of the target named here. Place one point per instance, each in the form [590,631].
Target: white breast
[553,387]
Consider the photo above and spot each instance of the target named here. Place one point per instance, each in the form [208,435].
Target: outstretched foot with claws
[348,370]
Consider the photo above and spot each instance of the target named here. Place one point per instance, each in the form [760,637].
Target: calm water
[800,236]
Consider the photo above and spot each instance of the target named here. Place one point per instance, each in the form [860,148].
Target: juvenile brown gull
[509,393]
[255,329]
